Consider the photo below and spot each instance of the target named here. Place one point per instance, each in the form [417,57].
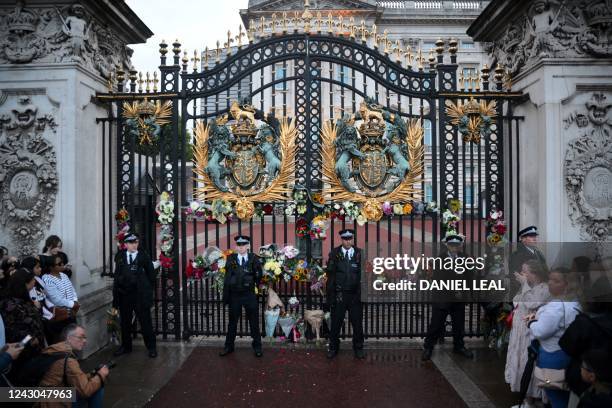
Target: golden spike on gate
[239,36]
[477,82]
[340,25]
[109,83]
[148,83]
[319,22]
[461,81]
[285,22]
[420,59]
[432,60]
[386,41]
[468,82]
[364,32]
[140,82]
[206,58]
[218,50]
[185,61]
[262,26]
[228,44]
[397,49]
[352,27]
[155,81]
[409,57]
[251,31]
[196,58]
[330,23]
[273,31]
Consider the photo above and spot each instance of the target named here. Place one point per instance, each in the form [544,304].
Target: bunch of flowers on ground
[282,264]
[112,325]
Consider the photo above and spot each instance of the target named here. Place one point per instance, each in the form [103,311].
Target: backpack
[32,371]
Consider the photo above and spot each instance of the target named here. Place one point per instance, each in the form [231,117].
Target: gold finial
[251,31]
[340,25]
[206,58]
[397,49]
[452,46]
[386,41]
[469,82]
[440,46]
[285,22]
[330,23]
[148,83]
[420,59]
[140,82]
[507,80]
[461,81]
[364,32]
[274,23]
[218,56]
[432,60]
[307,16]
[352,27]
[196,58]
[499,73]
[155,81]
[373,31]
[319,22]
[409,57]
[109,82]
[229,42]
[476,80]
[485,73]
[262,27]
[239,36]
[185,60]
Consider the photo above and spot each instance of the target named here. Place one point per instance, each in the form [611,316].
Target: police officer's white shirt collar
[243,258]
[132,254]
[350,252]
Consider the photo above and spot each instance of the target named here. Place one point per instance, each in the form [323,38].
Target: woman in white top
[533,293]
[63,295]
[549,324]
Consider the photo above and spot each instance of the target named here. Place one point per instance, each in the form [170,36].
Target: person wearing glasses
[133,293]
[242,276]
[67,372]
[61,293]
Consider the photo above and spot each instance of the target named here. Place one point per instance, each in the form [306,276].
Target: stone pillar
[559,56]
[52,62]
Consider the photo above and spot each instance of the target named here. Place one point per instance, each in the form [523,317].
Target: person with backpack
[64,370]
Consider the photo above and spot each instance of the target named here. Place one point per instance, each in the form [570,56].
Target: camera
[110,365]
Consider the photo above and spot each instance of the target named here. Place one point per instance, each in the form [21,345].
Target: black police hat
[529,231]
[453,239]
[131,237]
[242,239]
[346,233]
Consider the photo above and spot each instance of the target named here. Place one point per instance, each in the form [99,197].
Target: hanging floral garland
[165,216]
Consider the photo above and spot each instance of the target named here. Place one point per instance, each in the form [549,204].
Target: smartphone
[25,340]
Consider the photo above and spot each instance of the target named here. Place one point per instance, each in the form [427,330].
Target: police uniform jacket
[522,255]
[443,274]
[136,279]
[342,274]
[241,279]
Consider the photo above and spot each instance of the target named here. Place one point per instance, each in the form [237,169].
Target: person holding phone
[21,318]
[8,353]
[67,372]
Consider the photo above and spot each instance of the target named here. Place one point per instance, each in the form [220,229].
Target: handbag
[60,314]
[550,378]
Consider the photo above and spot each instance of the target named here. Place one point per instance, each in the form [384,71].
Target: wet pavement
[392,375]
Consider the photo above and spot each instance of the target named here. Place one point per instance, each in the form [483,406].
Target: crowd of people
[560,344]
[39,334]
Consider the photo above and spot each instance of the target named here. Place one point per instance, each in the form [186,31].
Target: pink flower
[387,208]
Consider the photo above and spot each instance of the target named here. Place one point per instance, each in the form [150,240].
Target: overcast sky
[196,24]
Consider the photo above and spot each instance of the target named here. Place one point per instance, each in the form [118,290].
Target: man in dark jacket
[133,292]
[448,302]
[242,275]
[590,330]
[526,249]
[344,293]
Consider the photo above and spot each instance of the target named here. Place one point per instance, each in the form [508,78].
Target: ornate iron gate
[311,75]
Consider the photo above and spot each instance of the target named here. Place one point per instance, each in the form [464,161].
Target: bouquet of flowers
[496,227]
[195,268]
[301,200]
[219,210]
[112,325]
[318,227]
[287,322]
[210,264]
[317,278]
[301,228]
[123,227]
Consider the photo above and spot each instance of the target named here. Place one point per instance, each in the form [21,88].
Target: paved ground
[192,374]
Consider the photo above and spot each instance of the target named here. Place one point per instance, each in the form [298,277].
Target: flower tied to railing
[450,217]
[165,216]
[123,227]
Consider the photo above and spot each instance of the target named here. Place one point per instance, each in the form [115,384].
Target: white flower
[336,206]
[361,220]
[194,205]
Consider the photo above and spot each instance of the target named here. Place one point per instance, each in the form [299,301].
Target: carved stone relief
[588,168]
[52,34]
[28,175]
[555,29]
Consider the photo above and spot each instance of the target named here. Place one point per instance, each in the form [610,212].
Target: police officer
[526,249]
[242,274]
[133,292]
[450,303]
[344,293]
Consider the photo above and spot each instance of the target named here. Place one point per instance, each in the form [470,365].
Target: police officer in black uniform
[526,249]
[344,293]
[133,292]
[242,274]
[449,303]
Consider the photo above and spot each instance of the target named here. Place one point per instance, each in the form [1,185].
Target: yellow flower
[407,208]
[454,205]
[372,210]
[245,209]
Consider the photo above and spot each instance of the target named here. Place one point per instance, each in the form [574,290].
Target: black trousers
[248,300]
[438,319]
[338,308]
[127,306]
